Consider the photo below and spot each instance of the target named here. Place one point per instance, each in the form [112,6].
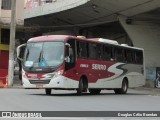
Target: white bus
[73,63]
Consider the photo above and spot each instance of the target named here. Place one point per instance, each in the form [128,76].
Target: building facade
[133,22]
[5,18]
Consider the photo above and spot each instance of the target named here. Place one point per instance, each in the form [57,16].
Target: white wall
[145,35]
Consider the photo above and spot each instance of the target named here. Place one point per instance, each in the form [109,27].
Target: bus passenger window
[99,52]
[119,54]
[83,51]
[92,51]
[107,53]
[128,56]
[139,57]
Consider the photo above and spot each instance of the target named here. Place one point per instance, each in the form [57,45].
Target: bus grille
[40,81]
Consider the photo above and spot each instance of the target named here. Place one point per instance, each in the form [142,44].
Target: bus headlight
[58,73]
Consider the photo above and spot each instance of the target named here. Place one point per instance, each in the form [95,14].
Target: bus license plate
[39,86]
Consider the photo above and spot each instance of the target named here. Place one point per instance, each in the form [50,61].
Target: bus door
[70,58]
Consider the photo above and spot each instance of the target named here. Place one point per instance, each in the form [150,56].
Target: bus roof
[48,38]
[65,37]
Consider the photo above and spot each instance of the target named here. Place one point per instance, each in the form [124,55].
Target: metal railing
[35,3]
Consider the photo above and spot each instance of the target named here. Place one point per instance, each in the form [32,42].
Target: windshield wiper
[42,60]
[40,56]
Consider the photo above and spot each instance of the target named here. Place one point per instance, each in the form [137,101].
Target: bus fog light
[49,75]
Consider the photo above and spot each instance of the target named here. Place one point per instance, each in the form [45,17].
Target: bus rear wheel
[48,91]
[94,91]
[123,89]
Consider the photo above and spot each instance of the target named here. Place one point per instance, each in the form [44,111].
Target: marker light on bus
[23,74]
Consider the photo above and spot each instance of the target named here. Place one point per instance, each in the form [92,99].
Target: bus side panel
[131,71]
[93,70]
[112,80]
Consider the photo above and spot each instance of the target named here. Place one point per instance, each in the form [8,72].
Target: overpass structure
[135,22]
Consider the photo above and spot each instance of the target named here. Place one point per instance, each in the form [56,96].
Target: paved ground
[35,99]
[139,99]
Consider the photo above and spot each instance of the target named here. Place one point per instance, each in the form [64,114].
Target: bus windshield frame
[43,55]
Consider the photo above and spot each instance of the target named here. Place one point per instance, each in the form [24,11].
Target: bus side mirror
[67,50]
[69,53]
[67,59]
[19,51]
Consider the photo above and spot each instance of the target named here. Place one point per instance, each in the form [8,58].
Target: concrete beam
[141,8]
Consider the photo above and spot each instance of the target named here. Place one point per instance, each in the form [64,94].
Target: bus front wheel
[123,89]
[48,91]
[80,87]
[94,91]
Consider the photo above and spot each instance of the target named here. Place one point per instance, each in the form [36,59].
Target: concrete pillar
[145,34]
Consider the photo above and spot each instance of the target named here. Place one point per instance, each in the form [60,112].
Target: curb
[147,88]
[17,87]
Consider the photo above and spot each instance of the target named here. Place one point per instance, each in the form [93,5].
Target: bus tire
[80,87]
[94,91]
[123,89]
[48,91]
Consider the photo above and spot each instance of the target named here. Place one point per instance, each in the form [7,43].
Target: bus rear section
[72,63]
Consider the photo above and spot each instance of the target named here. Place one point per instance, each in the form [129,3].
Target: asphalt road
[36,100]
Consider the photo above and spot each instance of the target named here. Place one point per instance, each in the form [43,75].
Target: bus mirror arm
[67,44]
[19,50]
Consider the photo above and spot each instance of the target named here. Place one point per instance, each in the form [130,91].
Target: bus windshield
[44,54]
